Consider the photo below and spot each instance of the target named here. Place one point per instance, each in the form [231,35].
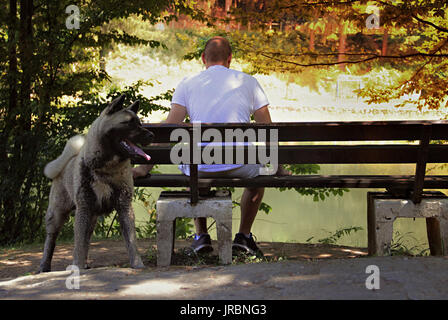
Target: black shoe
[202,243]
[248,245]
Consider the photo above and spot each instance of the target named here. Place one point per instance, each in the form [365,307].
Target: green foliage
[413,38]
[187,257]
[107,227]
[184,226]
[333,238]
[52,86]
[400,245]
[317,193]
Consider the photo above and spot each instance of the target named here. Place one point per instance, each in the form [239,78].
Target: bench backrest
[414,143]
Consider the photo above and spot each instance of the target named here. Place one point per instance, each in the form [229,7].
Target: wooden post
[194,192]
[434,237]
[420,169]
[194,183]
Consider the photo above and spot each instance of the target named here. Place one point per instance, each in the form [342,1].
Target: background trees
[412,35]
[44,68]
[53,80]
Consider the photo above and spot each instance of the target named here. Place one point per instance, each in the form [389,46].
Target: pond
[297,218]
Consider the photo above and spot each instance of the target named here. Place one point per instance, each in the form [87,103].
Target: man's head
[217,51]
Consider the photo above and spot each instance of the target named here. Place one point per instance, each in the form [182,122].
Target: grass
[333,238]
[187,257]
[405,245]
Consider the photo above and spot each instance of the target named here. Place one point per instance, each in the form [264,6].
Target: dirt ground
[107,253]
[289,271]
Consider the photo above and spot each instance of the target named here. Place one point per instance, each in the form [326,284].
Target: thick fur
[93,176]
[72,148]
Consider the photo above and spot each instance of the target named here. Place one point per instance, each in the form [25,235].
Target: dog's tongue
[136,150]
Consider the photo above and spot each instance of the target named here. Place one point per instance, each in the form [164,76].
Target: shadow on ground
[304,272]
[106,253]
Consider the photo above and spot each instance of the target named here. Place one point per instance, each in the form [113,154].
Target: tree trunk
[21,163]
[385,40]
[26,57]
[312,37]
[12,70]
[313,30]
[342,43]
[227,6]
[7,202]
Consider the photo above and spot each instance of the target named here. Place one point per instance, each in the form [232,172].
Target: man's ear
[115,105]
[134,107]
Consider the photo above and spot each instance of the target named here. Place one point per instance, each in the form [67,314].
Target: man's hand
[141,170]
[281,171]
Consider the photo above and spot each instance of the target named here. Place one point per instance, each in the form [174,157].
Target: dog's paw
[137,264]
[43,269]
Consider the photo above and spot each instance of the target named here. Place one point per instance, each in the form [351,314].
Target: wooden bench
[376,142]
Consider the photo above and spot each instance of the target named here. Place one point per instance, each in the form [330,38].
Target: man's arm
[262,115]
[177,114]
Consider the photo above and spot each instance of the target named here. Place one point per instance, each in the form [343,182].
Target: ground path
[301,276]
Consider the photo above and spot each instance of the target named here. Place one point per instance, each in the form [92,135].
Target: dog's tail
[72,148]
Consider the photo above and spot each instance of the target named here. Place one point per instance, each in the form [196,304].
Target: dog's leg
[92,225]
[83,218]
[57,214]
[127,224]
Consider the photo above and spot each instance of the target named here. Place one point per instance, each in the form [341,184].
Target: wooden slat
[422,159]
[321,154]
[301,181]
[194,189]
[322,131]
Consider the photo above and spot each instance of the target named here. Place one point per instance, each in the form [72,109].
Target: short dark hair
[217,49]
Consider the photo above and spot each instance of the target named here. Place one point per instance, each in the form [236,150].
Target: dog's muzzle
[144,138]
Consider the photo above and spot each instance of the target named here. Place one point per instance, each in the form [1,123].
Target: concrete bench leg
[443,221]
[224,233]
[437,230]
[174,205]
[383,209]
[380,226]
[165,242]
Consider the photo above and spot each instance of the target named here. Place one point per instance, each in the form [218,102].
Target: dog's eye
[129,122]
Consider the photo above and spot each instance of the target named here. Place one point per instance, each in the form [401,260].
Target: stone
[383,209]
[171,206]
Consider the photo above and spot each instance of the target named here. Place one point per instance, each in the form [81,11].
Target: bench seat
[302,181]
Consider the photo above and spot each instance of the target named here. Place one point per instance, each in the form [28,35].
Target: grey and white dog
[93,176]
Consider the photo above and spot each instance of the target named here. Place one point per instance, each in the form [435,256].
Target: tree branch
[429,23]
[369,58]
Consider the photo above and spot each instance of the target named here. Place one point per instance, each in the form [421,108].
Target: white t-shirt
[219,94]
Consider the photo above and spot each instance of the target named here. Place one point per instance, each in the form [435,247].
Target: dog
[93,177]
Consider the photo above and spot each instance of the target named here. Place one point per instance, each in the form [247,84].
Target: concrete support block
[383,209]
[165,243]
[171,206]
[224,233]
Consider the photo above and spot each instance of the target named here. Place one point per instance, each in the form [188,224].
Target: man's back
[219,94]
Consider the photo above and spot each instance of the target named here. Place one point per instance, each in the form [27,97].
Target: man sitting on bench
[221,95]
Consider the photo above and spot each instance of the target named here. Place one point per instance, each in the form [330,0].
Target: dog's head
[123,130]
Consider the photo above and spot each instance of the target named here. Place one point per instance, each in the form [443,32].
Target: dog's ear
[115,105]
[134,107]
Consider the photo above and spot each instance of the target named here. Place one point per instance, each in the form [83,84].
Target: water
[297,218]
